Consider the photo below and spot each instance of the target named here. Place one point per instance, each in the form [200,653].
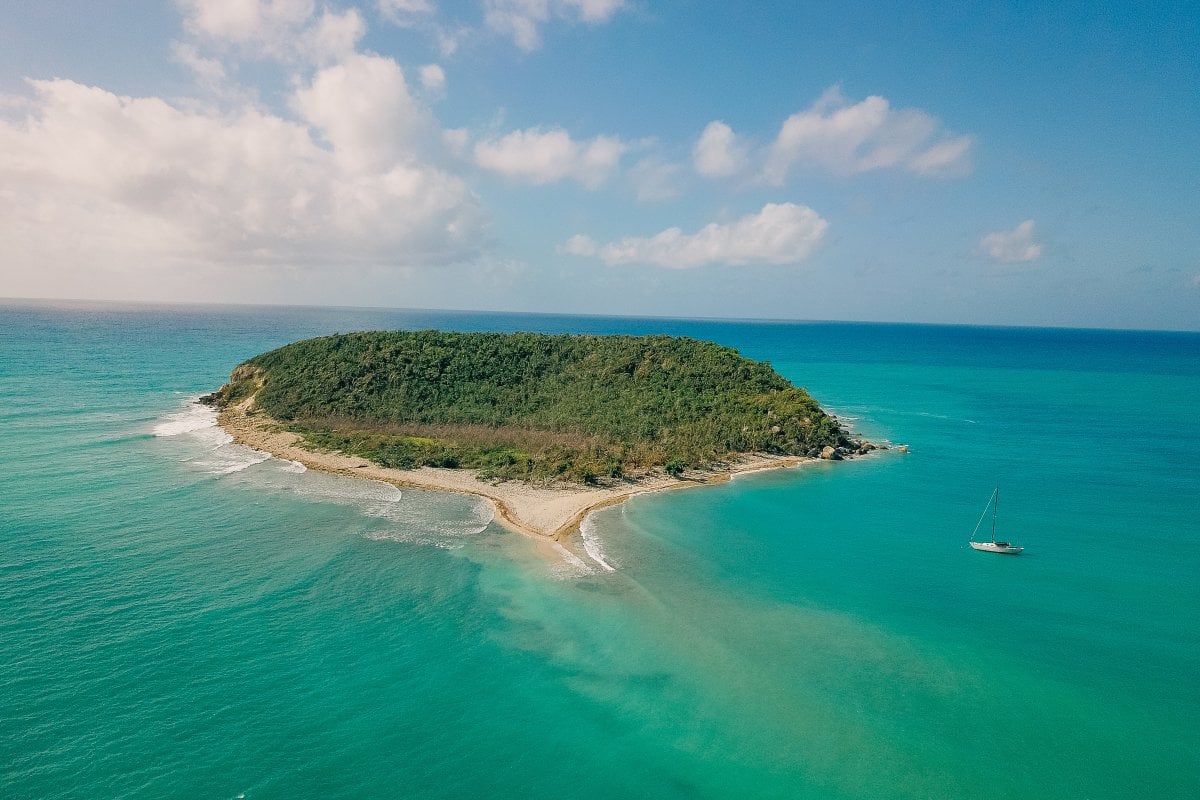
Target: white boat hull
[997,547]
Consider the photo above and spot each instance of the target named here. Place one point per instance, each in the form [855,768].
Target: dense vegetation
[533,406]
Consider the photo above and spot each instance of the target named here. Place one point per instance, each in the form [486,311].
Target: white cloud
[422,16]
[333,36]
[285,30]
[594,10]
[455,141]
[544,156]
[522,19]
[951,157]
[244,21]
[363,108]
[433,78]
[782,233]
[1012,246]
[401,8]
[209,72]
[717,152]
[122,183]
[449,41]
[846,139]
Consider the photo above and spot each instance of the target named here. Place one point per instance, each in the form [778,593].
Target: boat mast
[995,508]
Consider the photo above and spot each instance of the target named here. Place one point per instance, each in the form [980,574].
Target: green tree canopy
[533,406]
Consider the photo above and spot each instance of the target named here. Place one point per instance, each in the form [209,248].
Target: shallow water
[181,617]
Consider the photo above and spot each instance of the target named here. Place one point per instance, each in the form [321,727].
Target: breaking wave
[592,544]
[196,425]
[431,518]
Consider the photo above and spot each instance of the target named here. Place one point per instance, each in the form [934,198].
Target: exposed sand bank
[551,512]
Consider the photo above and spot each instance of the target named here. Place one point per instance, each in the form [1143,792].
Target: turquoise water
[181,618]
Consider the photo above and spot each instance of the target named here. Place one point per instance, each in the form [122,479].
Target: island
[547,427]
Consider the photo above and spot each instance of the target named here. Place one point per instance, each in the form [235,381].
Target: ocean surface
[183,617]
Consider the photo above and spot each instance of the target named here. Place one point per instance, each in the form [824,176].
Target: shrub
[532,406]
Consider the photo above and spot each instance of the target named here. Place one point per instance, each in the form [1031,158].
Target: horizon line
[590,315]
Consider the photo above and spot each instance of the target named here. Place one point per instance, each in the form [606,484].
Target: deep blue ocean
[180,617]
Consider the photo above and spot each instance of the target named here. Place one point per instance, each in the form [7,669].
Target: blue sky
[1023,164]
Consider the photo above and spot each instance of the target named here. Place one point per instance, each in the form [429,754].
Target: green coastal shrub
[531,406]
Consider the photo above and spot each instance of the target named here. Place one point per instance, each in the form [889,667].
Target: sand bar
[543,512]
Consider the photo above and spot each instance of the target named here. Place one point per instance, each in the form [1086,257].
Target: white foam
[440,520]
[427,518]
[592,545]
[411,537]
[578,565]
[376,498]
[482,515]
[239,461]
[426,521]
[196,425]
[192,417]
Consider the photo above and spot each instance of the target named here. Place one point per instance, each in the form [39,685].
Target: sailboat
[993,546]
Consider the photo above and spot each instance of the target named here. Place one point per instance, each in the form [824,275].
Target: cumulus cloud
[782,233]
[88,174]
[244,21]
[1013,246]
[363,108]
[333,36]
[540,156]
[718,153]
[848,138]
[433,78]
[522,20]
[287,30]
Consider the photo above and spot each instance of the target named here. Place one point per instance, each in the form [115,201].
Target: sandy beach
[542,512]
